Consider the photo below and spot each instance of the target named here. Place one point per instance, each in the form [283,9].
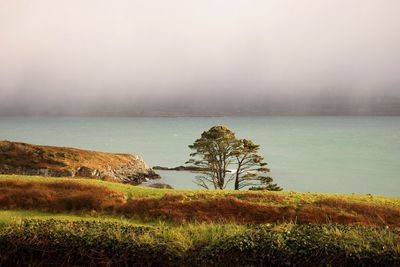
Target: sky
[208,57]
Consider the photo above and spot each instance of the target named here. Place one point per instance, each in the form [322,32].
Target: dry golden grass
[61,196]
[240,208]
[232,209]
[339,210]
[257,197]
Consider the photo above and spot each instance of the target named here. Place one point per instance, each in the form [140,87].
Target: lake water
[311,154]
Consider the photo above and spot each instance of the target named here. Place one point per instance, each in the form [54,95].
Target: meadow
[69,221]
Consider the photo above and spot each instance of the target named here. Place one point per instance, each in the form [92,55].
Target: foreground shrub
[114,244]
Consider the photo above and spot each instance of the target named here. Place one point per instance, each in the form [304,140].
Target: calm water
[325,154]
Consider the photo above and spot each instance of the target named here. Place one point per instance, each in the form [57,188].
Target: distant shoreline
[179,168]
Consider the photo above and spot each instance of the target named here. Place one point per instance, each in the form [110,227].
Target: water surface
[315,154]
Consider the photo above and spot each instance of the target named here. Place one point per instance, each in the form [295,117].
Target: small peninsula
[28,159]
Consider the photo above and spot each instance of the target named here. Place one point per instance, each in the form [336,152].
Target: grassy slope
[177,206]
[168,243]
[291,198]
[128,190]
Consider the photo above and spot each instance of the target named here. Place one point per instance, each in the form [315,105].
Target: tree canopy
[221,158]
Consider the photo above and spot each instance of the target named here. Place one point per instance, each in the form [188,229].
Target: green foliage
[218,150]
[251,169]
[266,183]
[96,243]
[213,154]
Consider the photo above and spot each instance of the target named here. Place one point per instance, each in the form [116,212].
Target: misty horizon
[208,58]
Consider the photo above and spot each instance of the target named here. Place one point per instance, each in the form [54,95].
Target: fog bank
[211,57]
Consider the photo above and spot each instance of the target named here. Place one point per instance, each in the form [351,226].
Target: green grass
[17,216]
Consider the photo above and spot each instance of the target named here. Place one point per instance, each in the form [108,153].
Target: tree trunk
[237,176]
[237,180]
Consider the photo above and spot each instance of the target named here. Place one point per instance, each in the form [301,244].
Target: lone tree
[218,151]
[214,152]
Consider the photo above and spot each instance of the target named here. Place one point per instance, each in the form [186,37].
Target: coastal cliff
[28,159]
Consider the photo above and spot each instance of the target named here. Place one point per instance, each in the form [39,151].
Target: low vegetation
[60,196]
[237,207]
[93,243]
[60,221]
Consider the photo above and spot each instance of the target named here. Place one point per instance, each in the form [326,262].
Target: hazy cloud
[154,56]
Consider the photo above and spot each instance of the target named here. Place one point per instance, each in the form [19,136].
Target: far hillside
[28,159]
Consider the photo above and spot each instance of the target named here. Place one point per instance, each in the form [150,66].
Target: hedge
[94,243]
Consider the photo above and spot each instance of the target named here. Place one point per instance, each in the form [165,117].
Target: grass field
[291,198]
[47,221]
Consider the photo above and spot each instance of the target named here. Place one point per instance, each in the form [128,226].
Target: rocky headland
[28,159]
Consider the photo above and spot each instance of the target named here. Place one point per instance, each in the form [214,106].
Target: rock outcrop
[28,159]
